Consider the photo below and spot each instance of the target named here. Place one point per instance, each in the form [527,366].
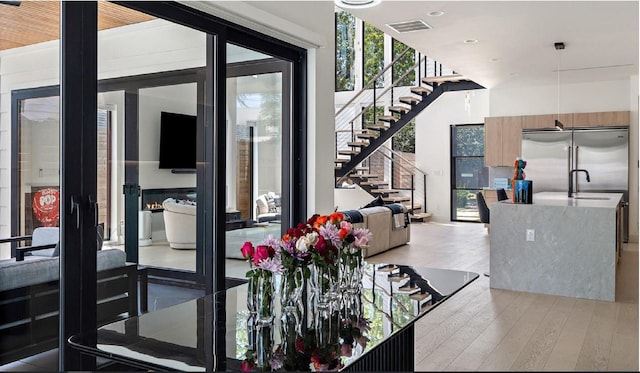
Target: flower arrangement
[264,260]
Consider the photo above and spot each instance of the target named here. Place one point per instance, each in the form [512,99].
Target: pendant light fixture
[558,125]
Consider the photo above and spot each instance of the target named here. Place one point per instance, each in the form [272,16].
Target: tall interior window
[373,56]
[403,74]
[468,173]
[345,51]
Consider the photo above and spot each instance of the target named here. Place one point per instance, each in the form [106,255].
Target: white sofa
[389,229]
[180,223]
[268,207]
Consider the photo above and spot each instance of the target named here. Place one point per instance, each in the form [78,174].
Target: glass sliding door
[258,118]
[468,173]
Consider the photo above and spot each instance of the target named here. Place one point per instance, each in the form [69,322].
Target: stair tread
[396,199]
[420,296]
[421,90]
[361,168]
[444,78]
[416,206]
[380,127]
[358,143]
[348,152]
[341,160]
[387,118]
[367,136]
[374,183]
[409,100]
[384,191]
[422,215]
[399,109]
[364,176]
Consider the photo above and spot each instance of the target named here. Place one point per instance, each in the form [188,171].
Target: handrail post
[412,190]
[424,192]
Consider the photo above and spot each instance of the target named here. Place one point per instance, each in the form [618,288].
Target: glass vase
[251,292]
[351,272]
[325,284]
[263,296]
[291,285]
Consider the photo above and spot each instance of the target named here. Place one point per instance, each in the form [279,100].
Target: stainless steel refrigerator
[604,152]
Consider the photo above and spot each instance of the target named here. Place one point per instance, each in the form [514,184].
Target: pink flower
[246,366]
[261,253]
[247,250]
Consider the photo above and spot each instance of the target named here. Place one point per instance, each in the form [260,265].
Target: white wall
[433,153]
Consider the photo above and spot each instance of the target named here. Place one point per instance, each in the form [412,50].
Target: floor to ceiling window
[468,173]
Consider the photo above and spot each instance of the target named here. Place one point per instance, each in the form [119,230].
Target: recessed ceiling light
[435,13]
[356,3]
[494,59]
[471,41]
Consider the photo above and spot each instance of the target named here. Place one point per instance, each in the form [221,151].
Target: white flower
[302,245]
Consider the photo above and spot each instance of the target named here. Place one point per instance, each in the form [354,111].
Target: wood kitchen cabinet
[546,121]
[503,140]
[601,119]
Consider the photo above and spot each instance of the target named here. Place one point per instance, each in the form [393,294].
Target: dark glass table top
[188,336]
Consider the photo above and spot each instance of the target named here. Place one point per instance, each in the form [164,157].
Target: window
[468,173]
[345,51]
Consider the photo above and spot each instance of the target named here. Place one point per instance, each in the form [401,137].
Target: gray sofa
[29,300]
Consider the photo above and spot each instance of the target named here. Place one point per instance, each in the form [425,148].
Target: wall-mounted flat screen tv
[177,141]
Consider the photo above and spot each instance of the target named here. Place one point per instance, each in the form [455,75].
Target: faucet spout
[571,179]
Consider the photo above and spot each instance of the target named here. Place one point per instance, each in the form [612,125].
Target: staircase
[358,141]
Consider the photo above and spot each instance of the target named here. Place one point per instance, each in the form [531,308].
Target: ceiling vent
[409,26]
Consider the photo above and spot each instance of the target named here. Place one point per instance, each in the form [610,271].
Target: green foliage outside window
[469,141]
[401,66]
[367,116]
[373,54]
[345,51]
[405,139]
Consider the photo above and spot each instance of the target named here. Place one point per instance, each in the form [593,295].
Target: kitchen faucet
[571,179]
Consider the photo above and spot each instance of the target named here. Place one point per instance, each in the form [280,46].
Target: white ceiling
[515,38]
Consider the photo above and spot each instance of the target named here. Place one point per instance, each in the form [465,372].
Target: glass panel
[345,51]
[470,173]
[153,152]
[29,178]
[404,142]
[465,205]
[403,65]
[468,141]
[254,173]
[373,55]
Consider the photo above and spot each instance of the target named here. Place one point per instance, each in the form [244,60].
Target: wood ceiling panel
[39,21]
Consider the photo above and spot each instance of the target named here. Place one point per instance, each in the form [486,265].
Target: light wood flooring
[484,329]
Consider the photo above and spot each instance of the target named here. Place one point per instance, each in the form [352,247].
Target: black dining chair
[483,210]
[502,194]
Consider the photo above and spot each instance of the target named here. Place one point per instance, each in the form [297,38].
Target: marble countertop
[601,200]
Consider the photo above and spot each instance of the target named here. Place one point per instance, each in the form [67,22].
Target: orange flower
[286,238]
[320,221]
[343,233]
[336,217]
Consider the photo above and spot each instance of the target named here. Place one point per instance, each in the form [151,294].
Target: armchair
[180,223]
[268,207]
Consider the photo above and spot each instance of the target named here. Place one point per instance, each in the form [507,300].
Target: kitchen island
[558,245]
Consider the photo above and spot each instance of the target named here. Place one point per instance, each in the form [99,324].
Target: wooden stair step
[357,144]
[374,183]
[396,199]
[409,100]
[384,191]
[379,127]
[421,90]
[364,176]
[366,136]
[397,277]
[361,168]
[410,208]
[388,118]
[420,296]
[409,288]
[443,78]
[341,160]
[399,109]
[348,152]
[420,216]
